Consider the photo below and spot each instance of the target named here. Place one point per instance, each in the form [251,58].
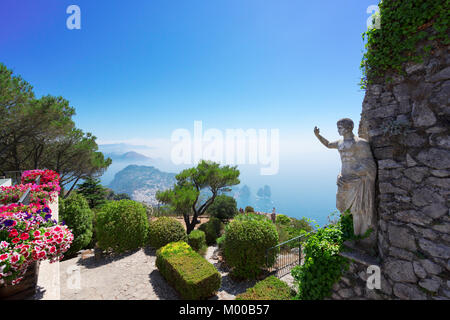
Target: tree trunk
[71,188]
[190,225]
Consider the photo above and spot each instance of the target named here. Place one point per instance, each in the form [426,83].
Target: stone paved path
[130,276]
[229,288]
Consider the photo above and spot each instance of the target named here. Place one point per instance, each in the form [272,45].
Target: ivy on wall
[402,25]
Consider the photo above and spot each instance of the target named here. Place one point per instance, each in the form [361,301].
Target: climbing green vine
[323,265]
[403,24]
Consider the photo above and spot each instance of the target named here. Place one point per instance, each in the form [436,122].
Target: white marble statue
[356,182]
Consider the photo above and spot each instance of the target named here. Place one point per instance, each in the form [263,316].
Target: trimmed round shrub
[77,215]
[247,241]
[212,229]
[249,209]
[121,226]
[224,208]
[165,230]
[197,240]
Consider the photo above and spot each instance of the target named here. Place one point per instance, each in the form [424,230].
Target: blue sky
[137,70]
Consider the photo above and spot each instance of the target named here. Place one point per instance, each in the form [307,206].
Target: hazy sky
[137,70]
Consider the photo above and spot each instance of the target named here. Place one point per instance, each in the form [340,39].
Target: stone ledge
[48,282]
[359,256]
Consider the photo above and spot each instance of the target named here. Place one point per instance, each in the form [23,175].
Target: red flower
[14,258]
[15,240]
[24,236]
[3,257]
[13,233]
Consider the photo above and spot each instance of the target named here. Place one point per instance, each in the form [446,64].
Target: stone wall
[407,121]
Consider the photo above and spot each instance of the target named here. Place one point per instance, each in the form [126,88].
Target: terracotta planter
[25,289]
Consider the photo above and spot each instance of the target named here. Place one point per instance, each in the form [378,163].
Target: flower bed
[28,234]
[187,271]
[39,193]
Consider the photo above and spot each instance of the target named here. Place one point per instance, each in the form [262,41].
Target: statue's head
[345,126]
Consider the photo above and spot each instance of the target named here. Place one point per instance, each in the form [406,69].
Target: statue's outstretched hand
[316,131]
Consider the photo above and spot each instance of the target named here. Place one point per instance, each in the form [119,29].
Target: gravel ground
[132,276]
[229,288]
[129,276]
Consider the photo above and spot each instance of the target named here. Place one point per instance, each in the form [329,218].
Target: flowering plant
[47,176]
[27,232]
[13,193]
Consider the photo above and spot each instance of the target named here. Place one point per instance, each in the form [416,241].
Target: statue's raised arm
[325,142]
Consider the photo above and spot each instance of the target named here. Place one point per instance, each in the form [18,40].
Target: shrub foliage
[224,208]
[212,229]
[323,265]
[165,230]
[121,226]
[247,239]
[77,215]
[270,288]
[197,240]
[187,271]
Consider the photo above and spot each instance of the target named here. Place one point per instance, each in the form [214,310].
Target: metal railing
[281,258]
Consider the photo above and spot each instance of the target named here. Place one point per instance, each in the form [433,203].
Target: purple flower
[8,223]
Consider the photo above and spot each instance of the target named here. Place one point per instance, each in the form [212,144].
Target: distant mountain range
[142,182]
[128,157]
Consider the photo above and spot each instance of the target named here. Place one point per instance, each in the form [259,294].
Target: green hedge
[165,230]
[197,240]
[270,288]
[77,215]
[212,230]
[247,239]
[188,272]
[121,226]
